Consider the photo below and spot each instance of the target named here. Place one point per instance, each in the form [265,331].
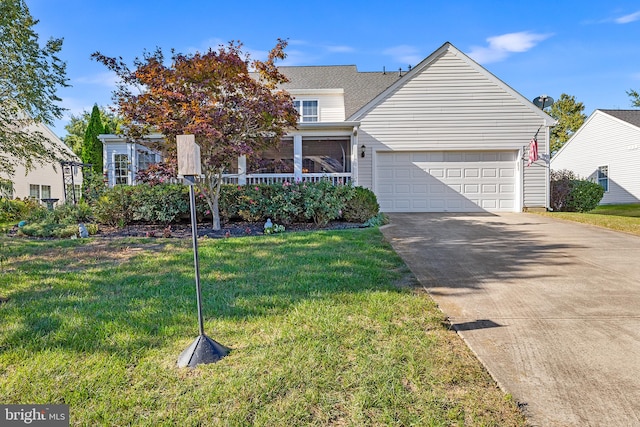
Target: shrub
[585,196]
[570,194]
[324,202]
[163,204]
[560,188]
[69,213]
[16,209]
[115,206]
[362,206]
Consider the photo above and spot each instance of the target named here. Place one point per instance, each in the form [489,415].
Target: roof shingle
[629,116]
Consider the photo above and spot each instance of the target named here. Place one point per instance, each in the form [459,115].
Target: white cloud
[339,49]
[404,54]
[107,79]
[632,17]
[502,46]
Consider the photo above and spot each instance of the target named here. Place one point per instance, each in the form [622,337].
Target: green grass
[326,328]
[625,218]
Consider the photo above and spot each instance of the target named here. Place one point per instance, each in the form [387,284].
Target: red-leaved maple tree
[210,95]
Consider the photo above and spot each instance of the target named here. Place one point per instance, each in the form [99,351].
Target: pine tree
[92,146]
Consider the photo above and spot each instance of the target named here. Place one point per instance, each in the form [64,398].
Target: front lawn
[326,328]
[624,218]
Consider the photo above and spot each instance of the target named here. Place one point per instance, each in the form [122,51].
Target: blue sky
[590,50]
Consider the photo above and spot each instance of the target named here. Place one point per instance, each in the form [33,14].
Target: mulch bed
[238,229]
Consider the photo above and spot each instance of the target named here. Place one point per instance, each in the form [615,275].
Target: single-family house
[443,136]
[606,150]
[49,182]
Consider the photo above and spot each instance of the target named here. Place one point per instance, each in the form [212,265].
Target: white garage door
[446,181]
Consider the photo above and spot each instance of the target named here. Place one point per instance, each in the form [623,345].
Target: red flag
[533,151]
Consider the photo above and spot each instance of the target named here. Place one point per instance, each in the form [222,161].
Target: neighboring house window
[308,110]
[34,191]
[145,160]
[121,170]
[603,177]
[45,191]
[77,188]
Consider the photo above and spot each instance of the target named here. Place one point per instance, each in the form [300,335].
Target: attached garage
[447,181]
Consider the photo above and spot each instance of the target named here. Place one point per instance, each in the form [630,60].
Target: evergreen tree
[92,146]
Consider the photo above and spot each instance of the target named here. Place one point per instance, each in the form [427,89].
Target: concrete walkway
[551,308]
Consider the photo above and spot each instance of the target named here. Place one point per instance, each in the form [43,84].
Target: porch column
[355,153]
[297,158]
[242,170]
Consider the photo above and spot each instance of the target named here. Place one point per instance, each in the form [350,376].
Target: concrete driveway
[551,308]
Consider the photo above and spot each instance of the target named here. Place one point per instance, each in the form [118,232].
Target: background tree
[91,145]
[77,127]
[212,96]
[570,117]
[29,77]
[635,97]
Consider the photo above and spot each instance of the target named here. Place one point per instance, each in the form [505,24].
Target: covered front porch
[313,152]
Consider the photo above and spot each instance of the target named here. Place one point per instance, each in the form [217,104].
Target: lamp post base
[202,350]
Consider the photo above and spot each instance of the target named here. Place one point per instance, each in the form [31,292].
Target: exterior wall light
[362,150]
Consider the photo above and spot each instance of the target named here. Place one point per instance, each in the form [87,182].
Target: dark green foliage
[362,206]
[161,204]
[16,209]
[92,146]
[585,196]
[115,206]
[570,194]
[285,203]
[62,222]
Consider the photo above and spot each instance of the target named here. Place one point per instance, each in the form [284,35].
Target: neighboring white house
[47,181]
[445,136]
[606,150]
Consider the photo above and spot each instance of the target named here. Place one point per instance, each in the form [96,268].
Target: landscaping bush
[585,196]
[115,206]
[324,202]
[62,222]
[570,194]
[16,209]
[162,204]
[362,206]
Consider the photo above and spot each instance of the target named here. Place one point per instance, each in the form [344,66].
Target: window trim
[298,103]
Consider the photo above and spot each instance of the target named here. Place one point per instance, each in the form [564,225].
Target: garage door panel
[446,181]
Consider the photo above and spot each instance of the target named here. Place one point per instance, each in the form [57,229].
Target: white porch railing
[274,178]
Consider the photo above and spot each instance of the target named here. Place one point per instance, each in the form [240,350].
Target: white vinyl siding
[330,102]
[450,105]
[604,140]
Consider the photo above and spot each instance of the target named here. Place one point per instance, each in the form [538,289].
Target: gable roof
[359,87]
[629,116]
[448,47]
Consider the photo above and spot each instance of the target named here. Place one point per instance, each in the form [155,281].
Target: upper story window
[308,110]
[603,177]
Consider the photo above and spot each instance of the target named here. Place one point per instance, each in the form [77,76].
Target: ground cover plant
[326,328]
[624,218]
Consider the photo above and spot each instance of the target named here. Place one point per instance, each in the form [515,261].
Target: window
[121,169]
[145,159]
[45,191]
[274,160]
[308,110]
[34,191]
[603,177]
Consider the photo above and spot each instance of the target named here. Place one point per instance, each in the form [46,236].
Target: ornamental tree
[91,145]
[30,75]
[211,95]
